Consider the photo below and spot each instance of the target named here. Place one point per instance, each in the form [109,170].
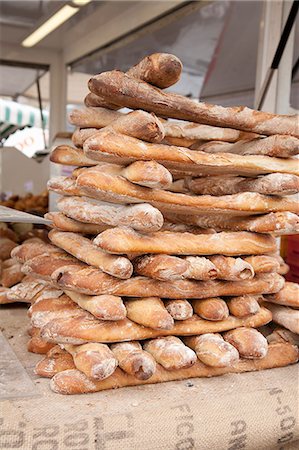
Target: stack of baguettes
[163,246]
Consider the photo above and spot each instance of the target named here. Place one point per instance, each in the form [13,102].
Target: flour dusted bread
[11,275]
[212,350]
[57,360]
[244,305]
[232,269]
[79,330]
[6,246]
[104,307]
[213,308]
[149,312]
[170,352]
[126,240]
[285,316]
[133,360]
[287,296]
[142,217]
[108,145]
[84,250]
[69,156]
[179,309]
[133,93]
[263,263]
[61,222]
[95,360]
[278,223]
[249,342]
[148,173]
[161,267]
[272,184]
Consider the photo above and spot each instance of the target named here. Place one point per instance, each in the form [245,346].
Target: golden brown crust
[74,382]
[244,305]
[288,296]
[214,309]
[149,312]
[6,246]
[249,342]
[285,316]
[81,330]
[56,360]
[212,350]
[132,93]
[69,156]
[61,222]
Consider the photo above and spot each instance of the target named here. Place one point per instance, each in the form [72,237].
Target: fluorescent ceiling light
[81,2]
[50,25]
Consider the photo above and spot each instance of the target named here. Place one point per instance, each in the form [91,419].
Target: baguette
[132,93]
[104,307]
[283,335]
[61,222]
[43,266]
[278,223]
[127,240]
[69,156]
[12,275]
[6,246]
[4,299]
[133,360]
[114,188]
[84,250]
[94,100]
[75,382]
[212,350]
[272,184]
[79,136]
[250,343]
[232,269]
[148,173]
[285,316]
[288,296]
[263,263]
[63,186]
[142,217]
[243,306]
[200,268]
[277,145]
[95,360]
[149,312]
[170,352]
[161,267]
[138,124]
[214,309]
[31,291]
[110,146]
[79,330]
[179,309]
[29,250]
[91,281]
[159,69]
[38,345]
[57,360]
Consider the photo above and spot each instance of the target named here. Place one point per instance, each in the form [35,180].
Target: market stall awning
[14,116]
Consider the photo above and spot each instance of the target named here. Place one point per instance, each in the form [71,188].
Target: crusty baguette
[11,275]
[249,342]
[29,250]
[142,217]
[75,382]
[201,268]
[114,188]
[110,146]
[278,223]
[244,305]
[43,266]
[288,296]
[6,246]
[170,352]
[179,309]
[79,330]
[91,281]
[84,250]
[127,240]
[161,267]
[159,69]
[132,93]
[285,316]
[281,334]
[133,360]
[69,156]
[63,186]
[138,124]
[276,145]
[4,298]
[148,173]
[272,184]
[232,269]
[104,307]
[149,312]
[263,263]
[214,308]
[31,291]
[212,350]
[56,360]
[79,136]
[95,100]
[61,222]
[95,360]
[38,345]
